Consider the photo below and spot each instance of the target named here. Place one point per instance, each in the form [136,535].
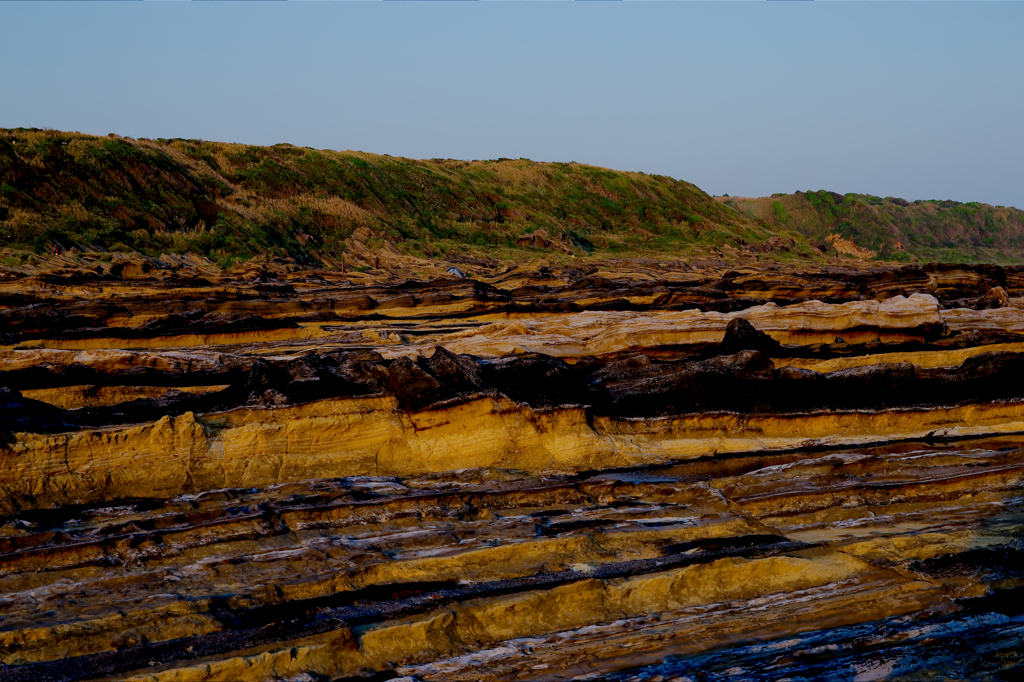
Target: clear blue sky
[919,100]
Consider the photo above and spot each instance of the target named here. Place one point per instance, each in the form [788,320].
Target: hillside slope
[895,229]
[232,201]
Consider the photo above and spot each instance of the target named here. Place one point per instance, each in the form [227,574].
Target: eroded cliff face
[644,471]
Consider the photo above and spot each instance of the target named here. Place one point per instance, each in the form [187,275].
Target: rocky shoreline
[613,471]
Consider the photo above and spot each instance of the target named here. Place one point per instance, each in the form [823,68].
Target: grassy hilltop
[231,202]
[894,229]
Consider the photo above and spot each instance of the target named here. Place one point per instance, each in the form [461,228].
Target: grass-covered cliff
[232,201]
[894,229]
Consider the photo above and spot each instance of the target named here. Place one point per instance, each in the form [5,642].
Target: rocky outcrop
[541,240]
[534,475]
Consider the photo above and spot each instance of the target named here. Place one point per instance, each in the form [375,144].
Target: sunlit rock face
[646,471]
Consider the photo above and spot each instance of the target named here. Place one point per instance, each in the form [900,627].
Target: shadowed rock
[460,372]
[413,387]
[740,335]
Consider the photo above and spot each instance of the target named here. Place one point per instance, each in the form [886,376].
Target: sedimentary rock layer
[531,475]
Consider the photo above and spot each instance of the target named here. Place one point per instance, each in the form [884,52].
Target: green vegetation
[895,229]
[232,202]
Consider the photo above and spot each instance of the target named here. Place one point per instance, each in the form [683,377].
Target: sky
[915,100]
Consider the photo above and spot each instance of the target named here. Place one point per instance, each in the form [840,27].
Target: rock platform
[625,471]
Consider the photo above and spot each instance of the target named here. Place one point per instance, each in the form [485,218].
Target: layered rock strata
[528,475]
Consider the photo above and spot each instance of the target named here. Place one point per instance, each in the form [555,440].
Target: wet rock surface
[635,472]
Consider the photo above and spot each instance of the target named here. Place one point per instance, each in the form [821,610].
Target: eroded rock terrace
[637,472]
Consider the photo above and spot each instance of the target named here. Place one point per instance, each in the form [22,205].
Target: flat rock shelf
[641,471]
